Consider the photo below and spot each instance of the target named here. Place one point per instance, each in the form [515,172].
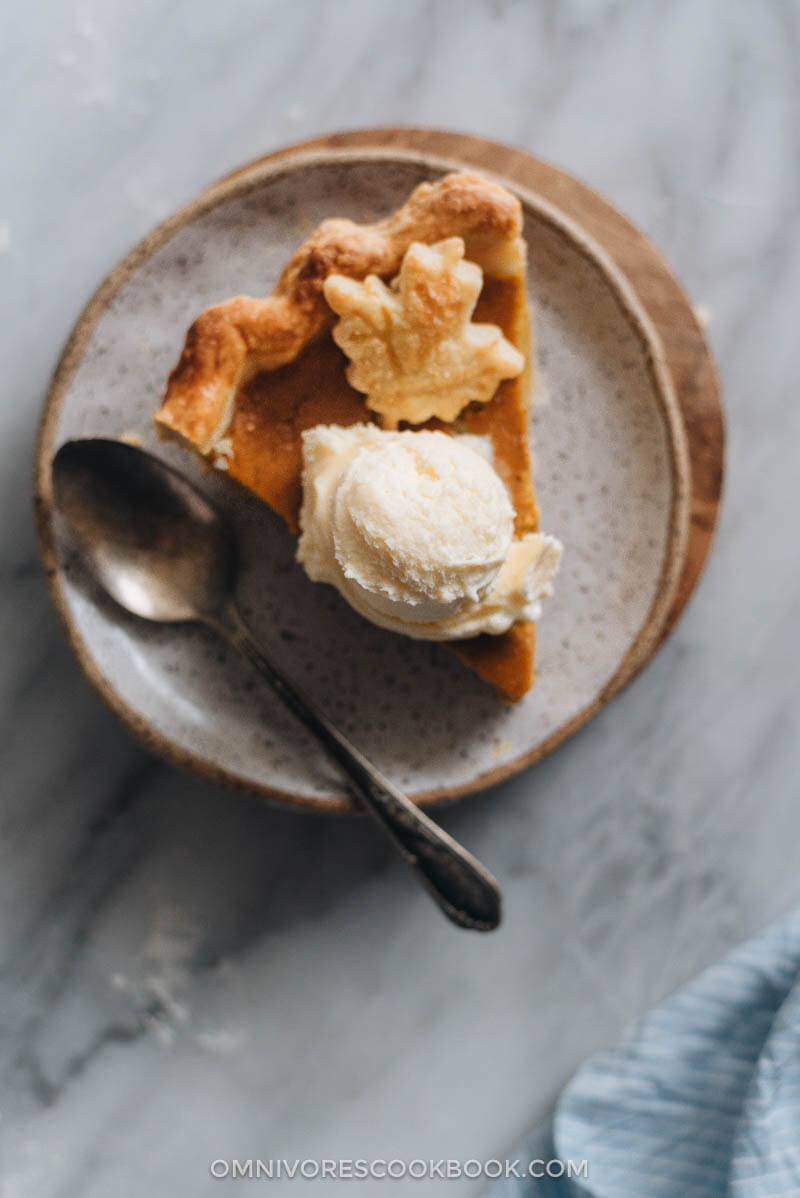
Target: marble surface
[187,975]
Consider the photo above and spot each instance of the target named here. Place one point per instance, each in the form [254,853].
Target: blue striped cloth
[702,1098]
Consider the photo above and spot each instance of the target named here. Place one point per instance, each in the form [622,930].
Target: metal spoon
[163,552]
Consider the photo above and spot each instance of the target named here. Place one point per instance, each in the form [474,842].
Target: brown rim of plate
[418,146]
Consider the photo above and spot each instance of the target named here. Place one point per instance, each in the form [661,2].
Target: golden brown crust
[232,341]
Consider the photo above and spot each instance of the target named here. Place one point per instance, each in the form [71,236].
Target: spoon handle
[466,892]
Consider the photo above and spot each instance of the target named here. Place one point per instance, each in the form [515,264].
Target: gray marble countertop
[187,975]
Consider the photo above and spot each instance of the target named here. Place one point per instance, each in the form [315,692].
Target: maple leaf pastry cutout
[414,351]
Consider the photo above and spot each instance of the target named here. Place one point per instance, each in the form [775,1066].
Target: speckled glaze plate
[612,480]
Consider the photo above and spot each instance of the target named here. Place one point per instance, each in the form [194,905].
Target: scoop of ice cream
[421,520]
[415,529]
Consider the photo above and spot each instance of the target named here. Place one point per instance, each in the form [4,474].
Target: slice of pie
[254,374]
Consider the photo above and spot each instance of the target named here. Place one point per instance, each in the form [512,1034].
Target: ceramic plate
[611,480]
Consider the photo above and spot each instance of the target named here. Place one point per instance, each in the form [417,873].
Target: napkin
[700,1100]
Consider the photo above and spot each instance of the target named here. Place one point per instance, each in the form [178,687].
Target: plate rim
[290,160]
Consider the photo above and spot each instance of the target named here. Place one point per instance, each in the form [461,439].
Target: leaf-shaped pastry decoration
[414,351]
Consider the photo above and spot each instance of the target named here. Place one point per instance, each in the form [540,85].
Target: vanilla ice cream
[415,529]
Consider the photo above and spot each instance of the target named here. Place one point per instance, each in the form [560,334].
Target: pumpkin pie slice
[255,374]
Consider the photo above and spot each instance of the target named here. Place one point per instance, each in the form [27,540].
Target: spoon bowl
[154,542]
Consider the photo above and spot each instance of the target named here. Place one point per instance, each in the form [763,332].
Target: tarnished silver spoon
[163,552]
